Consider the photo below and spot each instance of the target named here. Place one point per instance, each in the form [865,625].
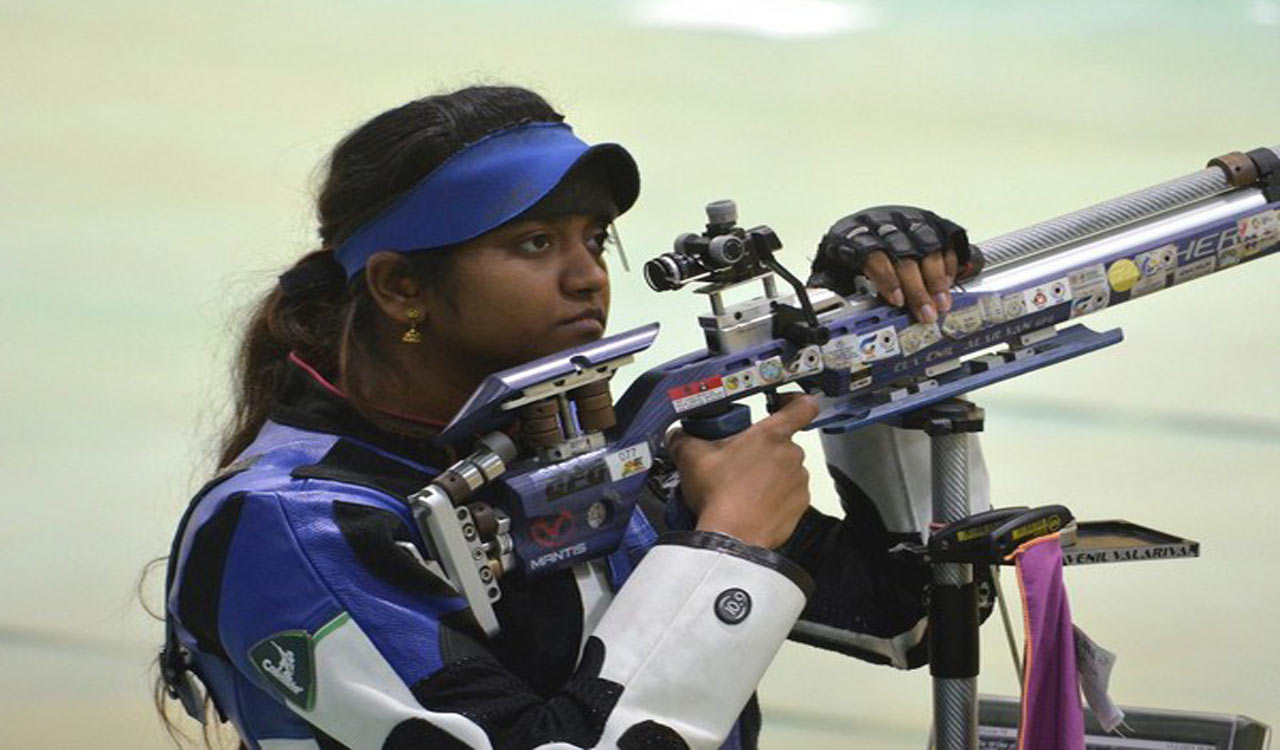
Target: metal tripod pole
[953,600]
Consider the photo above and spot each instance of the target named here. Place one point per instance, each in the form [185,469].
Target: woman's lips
[585,325]
[588,321]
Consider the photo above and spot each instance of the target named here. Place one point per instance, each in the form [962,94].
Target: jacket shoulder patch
[287,661]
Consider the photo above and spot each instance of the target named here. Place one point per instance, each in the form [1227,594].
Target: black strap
[175,661]
[352,463]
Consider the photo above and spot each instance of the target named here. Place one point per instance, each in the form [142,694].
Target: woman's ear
[393,288]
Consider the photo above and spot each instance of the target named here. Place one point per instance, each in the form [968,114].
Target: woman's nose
[585,272]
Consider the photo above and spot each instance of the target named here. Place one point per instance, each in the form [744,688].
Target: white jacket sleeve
[891,466]
[690,635]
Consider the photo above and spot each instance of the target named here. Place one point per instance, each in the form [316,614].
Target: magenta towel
[1052,716]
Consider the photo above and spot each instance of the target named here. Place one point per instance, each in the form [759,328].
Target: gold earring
[413,335]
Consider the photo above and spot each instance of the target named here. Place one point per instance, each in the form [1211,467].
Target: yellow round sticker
[1123,274]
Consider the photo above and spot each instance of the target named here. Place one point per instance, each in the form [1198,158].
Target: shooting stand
[958,541]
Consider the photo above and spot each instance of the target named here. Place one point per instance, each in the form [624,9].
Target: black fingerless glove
[901,232]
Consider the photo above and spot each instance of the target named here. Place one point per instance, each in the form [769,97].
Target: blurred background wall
[159,164]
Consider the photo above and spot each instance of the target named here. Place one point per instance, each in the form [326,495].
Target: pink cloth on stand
[1052,715]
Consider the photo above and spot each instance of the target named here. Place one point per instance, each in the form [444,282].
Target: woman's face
[523,291]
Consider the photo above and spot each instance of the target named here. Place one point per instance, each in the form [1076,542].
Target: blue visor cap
[485,185]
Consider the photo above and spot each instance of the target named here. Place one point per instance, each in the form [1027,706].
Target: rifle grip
[718,422]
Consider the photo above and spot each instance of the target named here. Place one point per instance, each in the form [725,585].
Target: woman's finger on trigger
[934,270]
[914,290]
[677,440]
[880,270]
[798,410]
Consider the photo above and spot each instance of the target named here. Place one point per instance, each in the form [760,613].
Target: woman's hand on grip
[753,485]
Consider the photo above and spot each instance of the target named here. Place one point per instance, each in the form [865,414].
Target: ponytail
[305,313]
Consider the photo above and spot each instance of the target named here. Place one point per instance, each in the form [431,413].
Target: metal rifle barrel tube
[1152,229]
[1110,214]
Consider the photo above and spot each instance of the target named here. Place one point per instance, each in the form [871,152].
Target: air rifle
[563,490]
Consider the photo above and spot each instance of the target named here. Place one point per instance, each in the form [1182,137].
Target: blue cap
[486,184]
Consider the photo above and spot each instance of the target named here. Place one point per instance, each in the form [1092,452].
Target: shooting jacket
[298,591]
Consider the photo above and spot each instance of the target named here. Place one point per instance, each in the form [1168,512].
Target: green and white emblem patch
[287,661]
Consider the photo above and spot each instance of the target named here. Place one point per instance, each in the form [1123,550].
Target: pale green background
[159,159]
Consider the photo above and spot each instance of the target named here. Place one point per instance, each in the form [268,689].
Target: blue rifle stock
[567,493]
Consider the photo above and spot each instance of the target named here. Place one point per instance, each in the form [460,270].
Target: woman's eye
[535,244]
[599,240]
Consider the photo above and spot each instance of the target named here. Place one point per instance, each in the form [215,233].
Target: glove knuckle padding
[899,242]
[901,232]
[926,238]
[863,243]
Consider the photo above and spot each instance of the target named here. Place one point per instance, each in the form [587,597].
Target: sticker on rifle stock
[807,361]
[916,337]
[771,370]
[878,345]
[1154,267]
[1122,275]
[1046,295]
[698,393]
[1014,306]
[742,380]
[1229,255]
[963,321]
[1194,270]
[1258,231]
[1089,290]
[633,459]
[1095,275]
[992,308]
[1158,261]
[1253,233]
[841,352]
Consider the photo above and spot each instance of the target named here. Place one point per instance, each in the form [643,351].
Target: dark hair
[330,325]
[325,319]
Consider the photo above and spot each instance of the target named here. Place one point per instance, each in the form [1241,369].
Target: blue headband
[485,185]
